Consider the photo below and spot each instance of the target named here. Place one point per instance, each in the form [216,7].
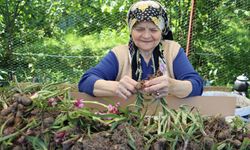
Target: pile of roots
[46,118]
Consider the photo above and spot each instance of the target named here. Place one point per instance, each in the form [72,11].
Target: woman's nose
[146,34]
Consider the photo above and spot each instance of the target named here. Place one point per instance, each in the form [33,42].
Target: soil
[118,139]
[218,130]
[125,136]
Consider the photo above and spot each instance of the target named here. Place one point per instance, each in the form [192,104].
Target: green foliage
[4,77]
[221,40]
[37,143]
[35,36]
[65,58]
[47,125]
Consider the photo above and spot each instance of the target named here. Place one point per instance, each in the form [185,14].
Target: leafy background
[51,41]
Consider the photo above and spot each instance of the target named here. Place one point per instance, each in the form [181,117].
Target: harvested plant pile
[40,116]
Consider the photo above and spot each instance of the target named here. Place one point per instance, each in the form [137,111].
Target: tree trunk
[8,41]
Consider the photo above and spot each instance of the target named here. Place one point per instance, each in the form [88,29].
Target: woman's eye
[139,29]
[153,30]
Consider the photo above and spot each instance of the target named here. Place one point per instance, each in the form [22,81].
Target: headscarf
[147,10]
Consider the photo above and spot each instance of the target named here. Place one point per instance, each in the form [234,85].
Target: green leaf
[221,146]
[13,135]
[131,140]
[245,144]
[37,143]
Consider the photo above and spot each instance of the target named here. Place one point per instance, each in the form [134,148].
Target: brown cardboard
[207,105]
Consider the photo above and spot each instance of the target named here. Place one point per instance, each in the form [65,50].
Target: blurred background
[58,40]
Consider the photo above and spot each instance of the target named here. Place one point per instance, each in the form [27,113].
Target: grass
[45,59]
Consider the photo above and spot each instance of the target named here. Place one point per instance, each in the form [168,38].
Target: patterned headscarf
[147,10]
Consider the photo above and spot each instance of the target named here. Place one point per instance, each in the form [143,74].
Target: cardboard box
[207,105]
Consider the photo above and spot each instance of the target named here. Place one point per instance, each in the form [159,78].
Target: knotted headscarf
[147,10]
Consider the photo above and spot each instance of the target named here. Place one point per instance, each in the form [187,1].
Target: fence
[65,39]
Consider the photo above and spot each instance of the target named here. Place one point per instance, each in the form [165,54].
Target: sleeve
[106,69]
[183,70]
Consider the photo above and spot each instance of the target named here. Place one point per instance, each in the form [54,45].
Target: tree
[20,18]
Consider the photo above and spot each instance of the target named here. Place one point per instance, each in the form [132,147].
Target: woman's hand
[158,87]
[126,87]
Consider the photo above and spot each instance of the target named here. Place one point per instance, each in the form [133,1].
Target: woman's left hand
[158,87]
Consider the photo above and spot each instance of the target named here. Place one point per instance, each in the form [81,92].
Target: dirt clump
[124,137]
[218,130]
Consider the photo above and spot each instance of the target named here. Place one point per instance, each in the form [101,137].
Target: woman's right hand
[126,87]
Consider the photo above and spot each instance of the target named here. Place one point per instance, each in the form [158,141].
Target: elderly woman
[149,50]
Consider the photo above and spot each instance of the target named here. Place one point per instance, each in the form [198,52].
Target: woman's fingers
[157,80]
[157,86]
[161,93]
[129,84]
[126,87]
[154,88]
[121,94]
[125,91]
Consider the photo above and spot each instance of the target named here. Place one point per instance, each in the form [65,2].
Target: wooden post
[191,17]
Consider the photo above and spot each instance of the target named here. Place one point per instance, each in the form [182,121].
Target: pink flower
[52,101]
[79,103]
[60,136]
[113,109]
[117,104]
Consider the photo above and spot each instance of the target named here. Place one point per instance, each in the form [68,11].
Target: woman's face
[146,35]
